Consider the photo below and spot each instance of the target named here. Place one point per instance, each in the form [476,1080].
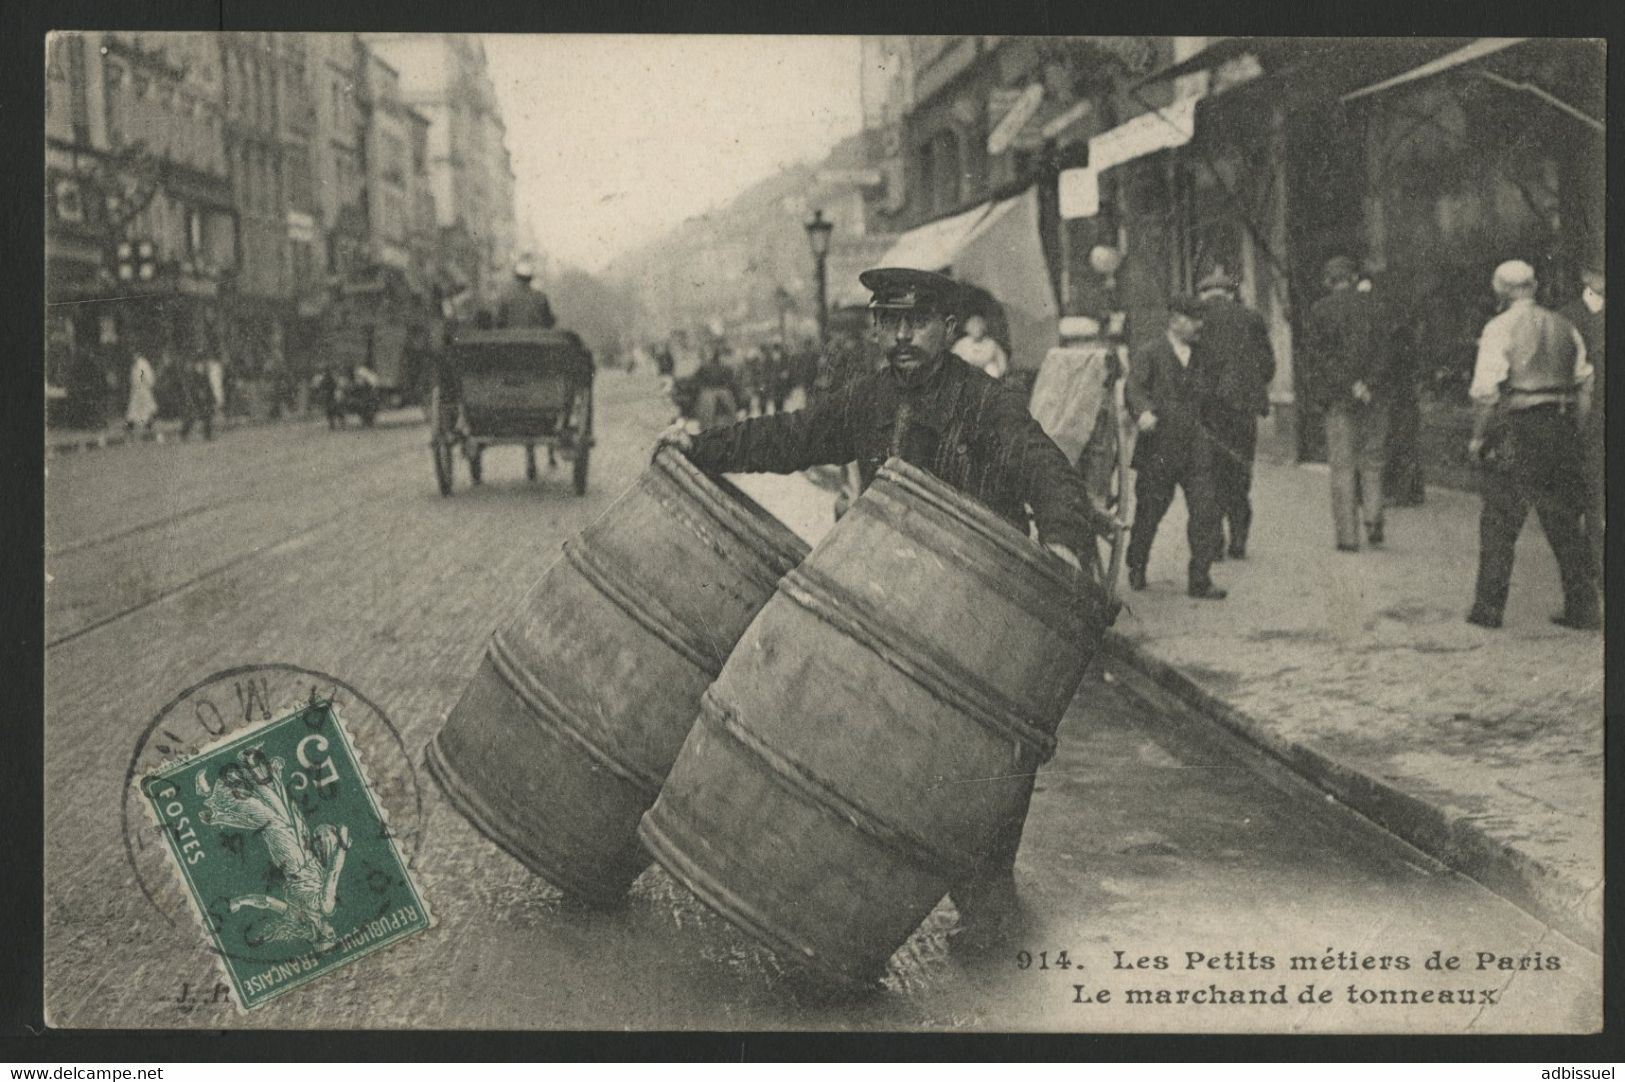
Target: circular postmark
[280,805]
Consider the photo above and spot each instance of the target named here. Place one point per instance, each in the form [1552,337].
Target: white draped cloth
[1068,393]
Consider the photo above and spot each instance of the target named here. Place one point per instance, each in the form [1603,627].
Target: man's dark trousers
[1234,434]
[1546,473]
[1154,493]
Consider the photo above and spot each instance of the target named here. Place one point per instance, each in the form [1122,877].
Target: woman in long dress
[143,405]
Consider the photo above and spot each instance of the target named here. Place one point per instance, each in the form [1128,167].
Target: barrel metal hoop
[949,684]
[545,707]
[716,893]
[802,782]
[932,490]
[654,617]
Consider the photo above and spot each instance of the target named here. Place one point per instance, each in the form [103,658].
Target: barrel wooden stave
[597,856]
[584,698]
[839,913]
[874,728]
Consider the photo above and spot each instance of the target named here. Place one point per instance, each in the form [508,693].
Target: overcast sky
[617,139]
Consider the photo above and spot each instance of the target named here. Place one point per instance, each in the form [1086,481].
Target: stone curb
[1553,897]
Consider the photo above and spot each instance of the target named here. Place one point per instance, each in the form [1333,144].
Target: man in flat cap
[1347,359]
[940,413]
[1239,363]
[1531,386]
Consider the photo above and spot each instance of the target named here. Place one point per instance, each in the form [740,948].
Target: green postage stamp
[285,852]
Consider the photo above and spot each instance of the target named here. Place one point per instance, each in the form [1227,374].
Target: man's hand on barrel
[678,435]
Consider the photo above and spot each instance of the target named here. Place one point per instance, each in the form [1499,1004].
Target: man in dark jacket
[1347,354]
[946,416]
[1165,396]
[522,306]
[1238,364]
[1586,313]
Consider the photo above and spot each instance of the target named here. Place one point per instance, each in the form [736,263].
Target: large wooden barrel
[876,725]
[566,732]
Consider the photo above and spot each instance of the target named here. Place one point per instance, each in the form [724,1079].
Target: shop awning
[1160,129]
[1467,53]
[932,246]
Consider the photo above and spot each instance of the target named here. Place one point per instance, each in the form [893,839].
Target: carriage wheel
[442,463]
[530,462]
[581,469]
[440,441]
[583,446]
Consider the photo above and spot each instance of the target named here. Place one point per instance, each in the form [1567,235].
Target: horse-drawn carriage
[521,386]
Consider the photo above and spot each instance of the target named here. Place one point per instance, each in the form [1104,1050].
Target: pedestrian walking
[978,349]
[1586,313]
[1238,364]
[1345,365]
[1166,396]
[1531,384]
[717,394]
[197,399]
[779,376]
[327,397]
[143,404]
[804,368]
[953,420]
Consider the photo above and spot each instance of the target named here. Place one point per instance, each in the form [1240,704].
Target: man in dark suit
[1165,395]
[1239,364]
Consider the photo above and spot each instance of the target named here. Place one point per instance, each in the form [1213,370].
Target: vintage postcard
[959,534]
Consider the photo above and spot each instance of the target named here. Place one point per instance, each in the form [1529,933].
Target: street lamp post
[818,231]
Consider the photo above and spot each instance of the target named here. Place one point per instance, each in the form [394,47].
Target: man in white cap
[521,305]
[1531,385]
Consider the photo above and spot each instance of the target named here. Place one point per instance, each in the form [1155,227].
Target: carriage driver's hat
[905,289]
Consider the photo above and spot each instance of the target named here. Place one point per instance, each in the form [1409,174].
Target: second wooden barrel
[583,699]
[876,725]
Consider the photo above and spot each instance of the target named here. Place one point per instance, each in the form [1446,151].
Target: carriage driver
[946,416]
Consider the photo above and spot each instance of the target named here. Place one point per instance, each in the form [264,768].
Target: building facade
[250,196]
[142,227]
[745,272]
[444,78]
[1428,160]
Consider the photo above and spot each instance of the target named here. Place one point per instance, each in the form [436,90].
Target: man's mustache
[904,353]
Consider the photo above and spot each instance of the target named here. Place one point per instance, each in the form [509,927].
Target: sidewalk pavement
[1482,748]
[68,440]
